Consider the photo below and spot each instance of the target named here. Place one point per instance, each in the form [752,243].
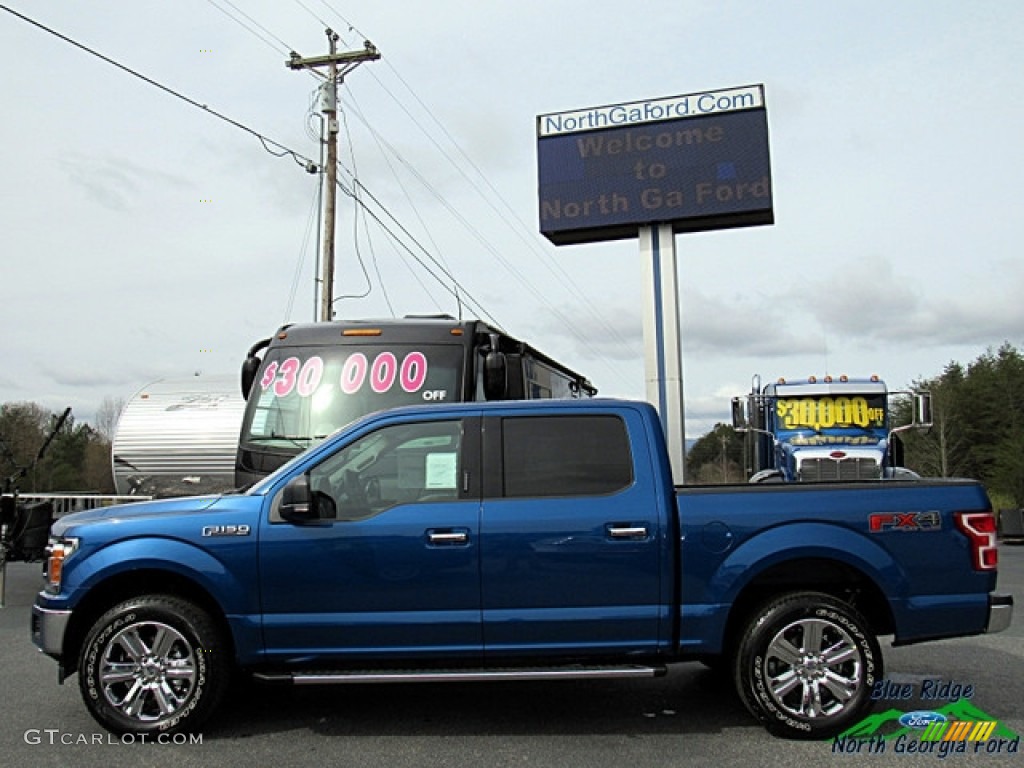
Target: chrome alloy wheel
[148,671]
[813,668]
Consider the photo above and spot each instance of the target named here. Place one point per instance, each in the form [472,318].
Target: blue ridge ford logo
[921,719]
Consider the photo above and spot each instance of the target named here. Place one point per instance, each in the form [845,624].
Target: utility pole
[348,60]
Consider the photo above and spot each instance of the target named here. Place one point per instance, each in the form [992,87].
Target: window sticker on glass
[442,470]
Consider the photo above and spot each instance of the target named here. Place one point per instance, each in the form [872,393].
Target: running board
[459,675]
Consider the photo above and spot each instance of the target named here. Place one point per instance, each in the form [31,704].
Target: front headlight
[57,551]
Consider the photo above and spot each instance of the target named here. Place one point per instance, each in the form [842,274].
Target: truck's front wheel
[153,664]
[806,665]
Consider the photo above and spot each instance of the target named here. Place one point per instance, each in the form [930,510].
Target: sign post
[663,358]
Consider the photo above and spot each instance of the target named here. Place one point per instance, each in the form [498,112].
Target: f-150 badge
[226,530]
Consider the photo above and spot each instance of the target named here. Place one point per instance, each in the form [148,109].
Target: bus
[313,378]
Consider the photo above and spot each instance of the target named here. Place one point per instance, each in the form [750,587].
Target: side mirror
[515,384]
[250,367]
[739,415]
[495,375]
[296,504]
[923,409]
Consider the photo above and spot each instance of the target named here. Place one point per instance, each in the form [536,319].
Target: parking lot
[689,717]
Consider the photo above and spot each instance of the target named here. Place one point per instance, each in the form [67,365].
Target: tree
[717,457]
[942,450]
[22,428]
[77,459]
[978,431]
[107,416]
[97,473]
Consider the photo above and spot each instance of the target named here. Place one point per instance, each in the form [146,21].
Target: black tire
[153,664]
[806,665]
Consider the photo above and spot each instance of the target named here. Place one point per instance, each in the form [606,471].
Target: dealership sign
[697,162]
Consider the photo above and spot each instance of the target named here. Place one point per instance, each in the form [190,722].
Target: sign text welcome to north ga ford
[698,162]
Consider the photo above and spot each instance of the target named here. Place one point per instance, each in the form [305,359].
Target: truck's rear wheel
[153,664]
[806,666]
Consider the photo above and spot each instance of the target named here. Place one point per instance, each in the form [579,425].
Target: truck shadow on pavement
[690,699]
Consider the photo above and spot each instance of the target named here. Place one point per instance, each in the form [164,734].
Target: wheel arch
[839,579]
[808,556]
[135,583]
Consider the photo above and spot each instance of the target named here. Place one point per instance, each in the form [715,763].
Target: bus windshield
[303,394]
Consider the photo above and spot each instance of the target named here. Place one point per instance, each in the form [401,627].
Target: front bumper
[48,628]
[1000,612]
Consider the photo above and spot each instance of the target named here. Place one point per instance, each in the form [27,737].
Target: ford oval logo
[921,719]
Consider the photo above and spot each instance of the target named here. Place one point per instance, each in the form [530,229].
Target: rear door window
[565,456]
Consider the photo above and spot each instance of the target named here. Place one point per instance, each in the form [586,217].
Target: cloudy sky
[144,238]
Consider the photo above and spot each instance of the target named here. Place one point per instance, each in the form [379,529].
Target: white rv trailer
[179,437]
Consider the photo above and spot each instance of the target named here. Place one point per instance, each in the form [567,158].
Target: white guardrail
[66,503]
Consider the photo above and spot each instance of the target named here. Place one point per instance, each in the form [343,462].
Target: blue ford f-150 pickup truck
[512,540]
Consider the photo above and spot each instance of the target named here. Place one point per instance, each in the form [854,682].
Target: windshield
[848,419]
[303,394]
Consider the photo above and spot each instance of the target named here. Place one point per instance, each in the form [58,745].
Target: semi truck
[502,541]
[827,429]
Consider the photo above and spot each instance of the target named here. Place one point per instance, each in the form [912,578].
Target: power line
[355,239]
[283,150]
[276,48]
[466,297]
[469,228]
[308,10]
[283,47]
[355,229]
[302,160]
[566,321]
[310,221]
[355,193]
[490,248]
[515,223]
[408,197]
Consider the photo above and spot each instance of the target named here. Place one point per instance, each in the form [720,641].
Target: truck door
[572,546]
[394,569]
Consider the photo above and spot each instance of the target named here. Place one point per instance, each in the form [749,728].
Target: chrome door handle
[638,532]
[457,537]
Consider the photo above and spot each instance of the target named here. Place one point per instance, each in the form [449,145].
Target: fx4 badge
[880,522]
[226,530]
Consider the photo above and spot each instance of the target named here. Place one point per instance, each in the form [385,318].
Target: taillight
[980,528]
